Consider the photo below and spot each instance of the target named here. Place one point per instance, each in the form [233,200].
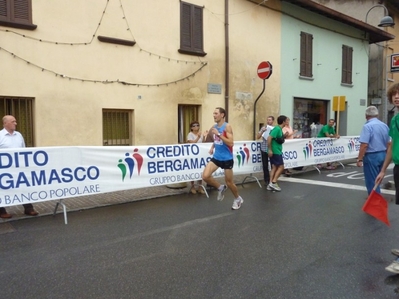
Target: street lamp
[386,21]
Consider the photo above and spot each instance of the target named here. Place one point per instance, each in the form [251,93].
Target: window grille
[117,126]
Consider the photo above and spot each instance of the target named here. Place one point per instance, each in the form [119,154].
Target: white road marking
[331,184]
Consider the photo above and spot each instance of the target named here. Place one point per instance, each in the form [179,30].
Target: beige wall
[69,111]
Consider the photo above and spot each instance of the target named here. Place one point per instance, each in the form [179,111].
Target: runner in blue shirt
[222,150]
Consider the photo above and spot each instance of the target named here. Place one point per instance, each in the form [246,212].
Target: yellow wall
[69,111]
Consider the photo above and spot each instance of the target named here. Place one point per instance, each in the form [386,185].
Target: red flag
[377,206]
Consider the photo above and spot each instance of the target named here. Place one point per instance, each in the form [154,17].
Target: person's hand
[270,153]
[205,133]
[210,152]
[214,131]
[379,178]
[359,163]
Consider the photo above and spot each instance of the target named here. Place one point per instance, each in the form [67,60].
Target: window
[187,114]
[309,116]
[116,127]
[347,53]
[16,13]
[22,110]
[306,55]
[191,29]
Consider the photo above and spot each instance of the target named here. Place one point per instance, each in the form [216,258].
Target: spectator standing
[374,140]
[222,150]
[264,134]
[275,152]
[10,138]
[195,136]
[393,154]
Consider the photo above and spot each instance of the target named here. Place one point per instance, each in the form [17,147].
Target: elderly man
[374,140]
[10,138]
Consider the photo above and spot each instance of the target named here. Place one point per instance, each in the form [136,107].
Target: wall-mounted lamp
[386,21]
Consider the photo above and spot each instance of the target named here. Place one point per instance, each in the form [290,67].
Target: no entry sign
[265,69]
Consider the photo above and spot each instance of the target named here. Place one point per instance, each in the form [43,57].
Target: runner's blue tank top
[222,151]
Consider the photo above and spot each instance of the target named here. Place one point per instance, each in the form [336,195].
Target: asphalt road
[311,240]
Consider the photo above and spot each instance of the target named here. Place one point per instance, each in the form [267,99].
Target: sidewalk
[106,199]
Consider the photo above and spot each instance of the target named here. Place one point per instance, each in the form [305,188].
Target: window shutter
[302,71]
[185,30]
[347,57]
[349,66]
[191,29]
[198,30]
[4,11]
[21,11]
[306,55]
[17,14]
[309,55]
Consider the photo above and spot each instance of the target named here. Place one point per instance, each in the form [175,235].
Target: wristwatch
[219,134]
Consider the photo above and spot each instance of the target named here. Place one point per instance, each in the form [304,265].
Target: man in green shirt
[328,130]
[275,152]
[393,154]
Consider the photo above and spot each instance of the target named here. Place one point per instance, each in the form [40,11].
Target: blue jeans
[372,164]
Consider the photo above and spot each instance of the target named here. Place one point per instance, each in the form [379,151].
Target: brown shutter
[4,10]
[21,11]
[302,70]
[349,66]
[347,58]
[198,29]
[185,26]
[309,55]
[306,55]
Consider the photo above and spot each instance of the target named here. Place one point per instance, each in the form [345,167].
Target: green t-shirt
[326,129]
[277,148]
[394,133]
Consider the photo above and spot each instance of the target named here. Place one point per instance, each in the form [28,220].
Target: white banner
[29,175]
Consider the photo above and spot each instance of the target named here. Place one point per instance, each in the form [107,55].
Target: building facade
[381,54]
[138,72]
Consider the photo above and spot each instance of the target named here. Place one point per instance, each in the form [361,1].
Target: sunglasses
[196,125]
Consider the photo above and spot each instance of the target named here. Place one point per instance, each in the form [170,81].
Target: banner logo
[130,163]
[308,150]
[243,155]
[351,145]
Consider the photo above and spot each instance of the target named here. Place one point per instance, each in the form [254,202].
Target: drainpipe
[227,58]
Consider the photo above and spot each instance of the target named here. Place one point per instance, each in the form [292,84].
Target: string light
[203,64]
[94,35]
[151,54]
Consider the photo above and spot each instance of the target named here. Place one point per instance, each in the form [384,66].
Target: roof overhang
[375,34]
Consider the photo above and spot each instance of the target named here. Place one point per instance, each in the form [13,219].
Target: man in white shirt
[264,133]
[10,138]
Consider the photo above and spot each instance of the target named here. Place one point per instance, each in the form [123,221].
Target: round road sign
[265,69]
